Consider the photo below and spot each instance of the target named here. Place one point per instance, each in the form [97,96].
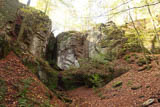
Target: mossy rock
[91,74]
[135,87]
[146,67]
[40,64]
[117,84]
[142,61]
[52,75]
[76,80]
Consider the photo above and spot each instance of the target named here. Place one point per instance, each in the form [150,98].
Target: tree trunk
[46,7]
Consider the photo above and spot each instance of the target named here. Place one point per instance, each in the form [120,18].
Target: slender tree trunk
[139,39]
[20,35]
[46,7]
[153,23]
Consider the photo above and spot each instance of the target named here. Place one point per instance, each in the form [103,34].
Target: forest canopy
[84,14]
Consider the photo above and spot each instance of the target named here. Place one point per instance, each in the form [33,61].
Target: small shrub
[96,80]
[23,100]
[127,57]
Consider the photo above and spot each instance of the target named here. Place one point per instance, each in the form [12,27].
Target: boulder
[105,40]
[148,102]
[34,30]
[30,27]
[71,46]
[102,43]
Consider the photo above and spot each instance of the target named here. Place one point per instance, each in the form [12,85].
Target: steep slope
[20,87]
[131,89]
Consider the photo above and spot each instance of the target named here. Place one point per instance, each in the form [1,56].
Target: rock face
[25,31]
[27,25]
[102,43]
[71,46]
[105,41]
[35,30]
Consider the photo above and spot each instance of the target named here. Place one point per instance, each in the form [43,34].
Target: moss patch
[117,84]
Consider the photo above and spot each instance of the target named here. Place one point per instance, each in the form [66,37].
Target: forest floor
[21,88]
[137,86]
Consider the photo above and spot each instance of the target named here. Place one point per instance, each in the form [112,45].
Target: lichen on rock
[106,39]
[36,31]
[71,46]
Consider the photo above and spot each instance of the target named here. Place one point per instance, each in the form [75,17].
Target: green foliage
[103,58]
[117,84]
[52,75]
[3,89]
[96,80]
[133,43]
[72,81]
[52,80]
[32,65]
[44,5]
[40,64]
[128,59]
[23,100]
[39,20]
[91,74]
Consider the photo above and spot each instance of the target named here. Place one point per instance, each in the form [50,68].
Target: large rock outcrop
[27,36]
[35,30]
[102,43]
[30,27]
[71,46]
[105,41]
